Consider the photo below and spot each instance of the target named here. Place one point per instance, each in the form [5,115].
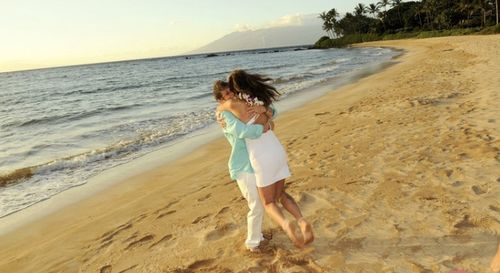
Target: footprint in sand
[138,218]
[105,245]
[223,210]
[465,223]
[321,113]
[306,198]
[493,208]
[163,240]
[112,233]
[200,265]
[106,269]
[167,206]
[128,269]
[220,231]
[165,214]
[140,242]
[291,142]
[200,218]
[204,197]
[131,237]
[237,199]
[477,190]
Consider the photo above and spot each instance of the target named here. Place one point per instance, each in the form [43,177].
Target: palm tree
[333,21]
[396,4]
[418,13]
[384,4]
[360,9]
[483,6]
[333,14]
[329,21]
[336,27]
[373,9]
[496,6]
[467,6]
[429,8]
[326,23]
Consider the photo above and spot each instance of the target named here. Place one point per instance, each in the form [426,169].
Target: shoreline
[396,170]
[169,152]
[108,178]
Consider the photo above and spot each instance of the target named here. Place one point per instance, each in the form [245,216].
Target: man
[239,165]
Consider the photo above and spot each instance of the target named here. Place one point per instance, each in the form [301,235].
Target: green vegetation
[395,19]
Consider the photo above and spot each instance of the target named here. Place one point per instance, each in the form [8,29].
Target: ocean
[61,126]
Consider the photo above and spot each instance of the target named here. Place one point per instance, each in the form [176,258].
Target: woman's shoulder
[234,104]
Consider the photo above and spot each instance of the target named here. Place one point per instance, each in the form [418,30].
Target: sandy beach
[397,172]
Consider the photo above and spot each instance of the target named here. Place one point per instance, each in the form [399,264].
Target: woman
[267,156]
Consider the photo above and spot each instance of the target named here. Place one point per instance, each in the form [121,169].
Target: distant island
[264,38]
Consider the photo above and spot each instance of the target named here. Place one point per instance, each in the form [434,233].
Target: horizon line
[151,58]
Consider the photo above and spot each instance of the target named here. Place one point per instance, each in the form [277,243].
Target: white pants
[248,188]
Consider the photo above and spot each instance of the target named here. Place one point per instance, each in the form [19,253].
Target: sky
[47,33]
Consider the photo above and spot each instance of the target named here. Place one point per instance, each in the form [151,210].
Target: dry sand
[398,172]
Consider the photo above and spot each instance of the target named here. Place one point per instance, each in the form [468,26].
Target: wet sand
[398,172]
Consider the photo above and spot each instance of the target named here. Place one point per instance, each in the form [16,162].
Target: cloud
[294,20]
[284,21]
[242,27]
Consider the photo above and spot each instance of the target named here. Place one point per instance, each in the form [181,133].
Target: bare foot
[306,230]
[289,229]
[254,249]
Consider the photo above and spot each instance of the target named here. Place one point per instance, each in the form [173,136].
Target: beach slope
[398,172]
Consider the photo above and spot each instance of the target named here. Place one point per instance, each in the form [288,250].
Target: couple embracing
[258,161]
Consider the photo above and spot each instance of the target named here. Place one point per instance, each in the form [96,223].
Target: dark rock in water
[211,55]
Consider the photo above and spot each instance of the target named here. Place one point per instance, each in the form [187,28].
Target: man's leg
[248,188]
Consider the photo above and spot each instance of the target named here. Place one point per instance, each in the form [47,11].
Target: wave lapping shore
[62,126]
[398,172]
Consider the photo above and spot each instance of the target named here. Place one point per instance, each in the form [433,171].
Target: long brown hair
[254,85]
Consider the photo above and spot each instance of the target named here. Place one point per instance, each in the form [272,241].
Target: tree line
[396,16]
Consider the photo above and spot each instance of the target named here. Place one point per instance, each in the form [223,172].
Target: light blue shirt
[236,132]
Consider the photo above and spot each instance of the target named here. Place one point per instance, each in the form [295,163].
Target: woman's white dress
[268,158]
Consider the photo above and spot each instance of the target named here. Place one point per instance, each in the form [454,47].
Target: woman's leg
[286,200]
[268,196]
[291,206]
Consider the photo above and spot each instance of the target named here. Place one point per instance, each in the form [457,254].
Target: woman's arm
[237,108]
[241,130]
[266,114]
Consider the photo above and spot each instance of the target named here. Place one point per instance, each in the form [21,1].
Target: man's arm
[239,129]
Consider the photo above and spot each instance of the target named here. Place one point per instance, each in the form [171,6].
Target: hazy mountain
[265,38]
